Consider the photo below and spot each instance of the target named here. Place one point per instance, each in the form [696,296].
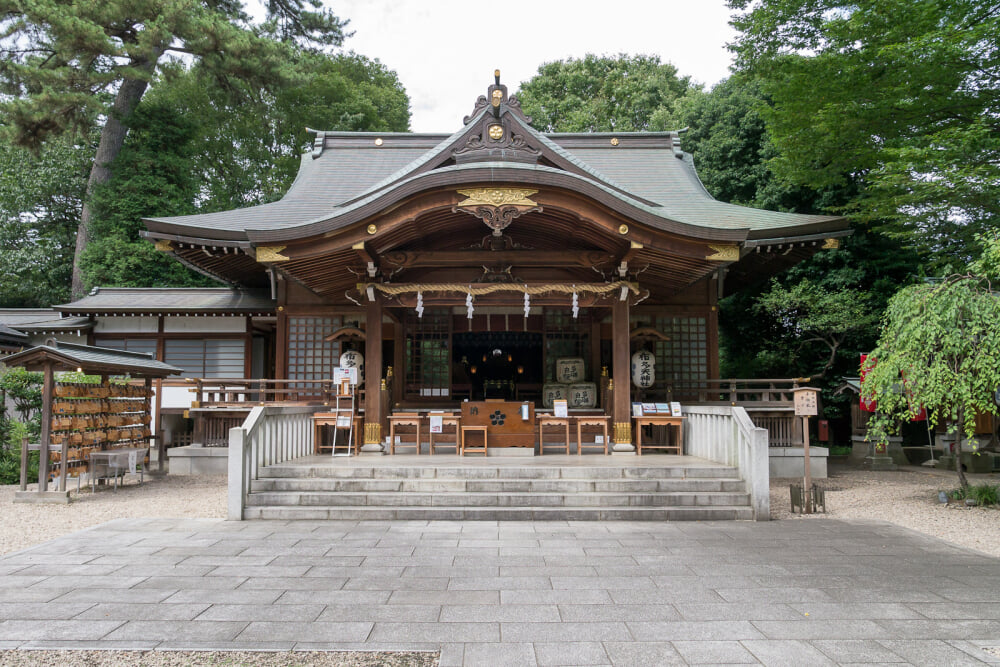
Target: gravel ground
[907,497]
[23,525]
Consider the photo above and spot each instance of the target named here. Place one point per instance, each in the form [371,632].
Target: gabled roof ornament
[497,137]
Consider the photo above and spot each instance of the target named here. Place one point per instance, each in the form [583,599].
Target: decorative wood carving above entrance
[724,253]
[497,207]
[495,136]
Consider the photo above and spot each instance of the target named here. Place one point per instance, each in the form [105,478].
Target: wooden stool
[551,421]
[403,419]
[477,429]
[591,421]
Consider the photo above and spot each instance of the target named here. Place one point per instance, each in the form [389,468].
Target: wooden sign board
[806,402]
[503,421]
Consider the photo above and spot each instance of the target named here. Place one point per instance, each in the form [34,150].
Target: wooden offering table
[502,419]
[660,420]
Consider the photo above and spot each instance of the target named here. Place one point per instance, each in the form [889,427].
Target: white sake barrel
[583,395]
[569,370]
[554,391]
[643,369]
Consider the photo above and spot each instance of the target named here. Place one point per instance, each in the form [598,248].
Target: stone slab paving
[817,592]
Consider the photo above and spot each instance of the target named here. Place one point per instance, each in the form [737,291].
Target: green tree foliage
[151,176]
[24,388]
[624,93]
[64,63]
[902,94]
[939,349]
[195,146]
[41,195]
[811,314]
[732,149]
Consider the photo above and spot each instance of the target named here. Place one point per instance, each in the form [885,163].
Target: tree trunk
[112,139]
[960,422]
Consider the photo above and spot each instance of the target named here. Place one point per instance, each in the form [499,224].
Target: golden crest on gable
[724,253]
[497,197]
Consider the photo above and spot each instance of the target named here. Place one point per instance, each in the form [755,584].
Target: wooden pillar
[595,349]
[43,453]
[621,406]
[399,359]
[373,377]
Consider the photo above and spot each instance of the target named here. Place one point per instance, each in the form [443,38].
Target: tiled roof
[91,358]
[179,300]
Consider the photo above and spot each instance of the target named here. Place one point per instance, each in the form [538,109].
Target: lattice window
[566,336]
[310,357]
[211,358]
[428,354]
[682,360]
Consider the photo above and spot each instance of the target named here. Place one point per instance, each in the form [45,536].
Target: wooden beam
[371,262]
[545,258]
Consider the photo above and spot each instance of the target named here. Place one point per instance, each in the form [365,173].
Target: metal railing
[725,434]
[271,434]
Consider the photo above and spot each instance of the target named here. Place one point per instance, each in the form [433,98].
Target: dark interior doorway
[502,364]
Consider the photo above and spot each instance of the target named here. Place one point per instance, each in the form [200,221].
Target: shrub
[985,494]
[10,456]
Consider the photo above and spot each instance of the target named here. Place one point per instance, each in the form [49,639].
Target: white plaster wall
[188,324]
[126,325]
[177,397]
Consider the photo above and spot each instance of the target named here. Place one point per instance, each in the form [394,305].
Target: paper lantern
[643,369]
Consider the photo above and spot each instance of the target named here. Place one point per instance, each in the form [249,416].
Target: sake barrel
[569,370]
[583,395]
[554,391]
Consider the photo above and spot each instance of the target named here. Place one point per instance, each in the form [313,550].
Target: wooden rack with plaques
[89,418]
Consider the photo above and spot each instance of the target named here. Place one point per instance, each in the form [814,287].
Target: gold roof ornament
[271,253]
[497,197]
[724,253]
[831,244]
[165,245]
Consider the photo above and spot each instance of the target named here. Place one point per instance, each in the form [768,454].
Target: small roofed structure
[56,356]
[11,341]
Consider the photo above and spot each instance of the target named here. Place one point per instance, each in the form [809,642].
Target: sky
[445,51]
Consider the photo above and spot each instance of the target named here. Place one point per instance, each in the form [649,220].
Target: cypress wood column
[373,378]
[621,405]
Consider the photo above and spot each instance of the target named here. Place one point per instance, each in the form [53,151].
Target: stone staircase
[486,491]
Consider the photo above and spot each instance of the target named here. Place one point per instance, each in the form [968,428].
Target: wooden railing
[736,391]
[725,434]
[271,434]
[239,392]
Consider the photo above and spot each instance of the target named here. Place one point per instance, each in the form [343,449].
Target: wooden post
[807,481]
[24,464]
[43,452]
[399,360]
[621,409]
[373,377]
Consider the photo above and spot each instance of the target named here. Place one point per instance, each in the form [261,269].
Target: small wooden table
[446,420]
[321,419]
[601,421]
[546,420]
[659,420]
[476,429]
[403,419]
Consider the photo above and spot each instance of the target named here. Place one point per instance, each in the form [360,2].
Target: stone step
[494,472]
[436,485]
[389,499]
[464,513]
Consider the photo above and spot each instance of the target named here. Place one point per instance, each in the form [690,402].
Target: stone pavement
[812,592]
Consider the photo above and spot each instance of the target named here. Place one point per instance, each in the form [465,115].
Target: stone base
[44,498]
[790,462]
[861,451]
[510,451]
[193,460]
[880,463]
[983,463]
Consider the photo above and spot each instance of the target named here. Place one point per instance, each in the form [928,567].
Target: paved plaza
[812,592]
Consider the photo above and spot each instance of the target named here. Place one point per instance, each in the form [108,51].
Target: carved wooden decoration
[497,207]
[495,137]
[724,253]
[271,253]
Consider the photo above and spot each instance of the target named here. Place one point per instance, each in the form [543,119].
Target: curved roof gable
[347,172]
